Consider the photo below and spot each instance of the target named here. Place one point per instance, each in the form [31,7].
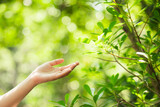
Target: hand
[46,72]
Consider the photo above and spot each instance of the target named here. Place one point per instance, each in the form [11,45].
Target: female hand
[46,72]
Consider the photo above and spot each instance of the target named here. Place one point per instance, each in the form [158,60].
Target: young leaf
[100,25]
[74,100]
[66,98]
[87,88]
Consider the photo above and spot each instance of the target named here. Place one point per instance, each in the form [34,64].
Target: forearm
[14,96]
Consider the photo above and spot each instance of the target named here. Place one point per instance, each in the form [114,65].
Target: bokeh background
[35,31]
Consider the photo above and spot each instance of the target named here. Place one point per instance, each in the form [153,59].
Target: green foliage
[117,43]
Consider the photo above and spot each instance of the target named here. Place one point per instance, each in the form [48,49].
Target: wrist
[32,80]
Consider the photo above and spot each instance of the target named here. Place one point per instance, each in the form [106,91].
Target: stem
[133,24]
[126,68]
[147,19]
[122,57]
[132,37]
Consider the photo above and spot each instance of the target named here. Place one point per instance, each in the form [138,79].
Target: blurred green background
[35,31]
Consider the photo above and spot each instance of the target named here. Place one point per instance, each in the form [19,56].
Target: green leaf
[98,95]
[118,36]
[149,34]
[95,33]
[62,103]
[124,37]
[74,100]
[87,88]
[86,40]
[116,77]
[143,66]
[86,105]
[111,25]
[154,48]
[140,45]
[66,98]
[100,25]
[112,11]
[156,34]
[139,23]
[105,31]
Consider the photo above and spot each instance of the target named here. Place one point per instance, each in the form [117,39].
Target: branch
[126,68]
[105,59]
[147,19]
[133,24]
[122,57]
[135,76]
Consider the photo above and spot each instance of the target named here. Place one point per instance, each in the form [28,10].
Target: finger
[56,62]
[70,65]
[74,65]
[63,73]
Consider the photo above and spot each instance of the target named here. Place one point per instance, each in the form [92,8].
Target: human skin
[44,73]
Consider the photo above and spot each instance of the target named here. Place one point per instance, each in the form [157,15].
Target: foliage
[116,41]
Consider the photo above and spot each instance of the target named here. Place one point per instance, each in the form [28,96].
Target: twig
[126,68]
[147,20]
[135,76]
[127,102]
[122,57]
[133,24]
[156,66]
[105,59]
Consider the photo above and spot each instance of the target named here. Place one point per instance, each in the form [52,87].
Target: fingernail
[77,63]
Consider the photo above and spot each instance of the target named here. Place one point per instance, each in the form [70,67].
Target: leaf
[87,88]
[123,39]
[140,45]
[142,54]
[111,25]
[86,105]
[153,49]
[105,31]
[74,100]
[143,66]
[98,95]
[86,40]
[139,23]
[62,103]
[95,33]
[116,77]
[100,25]
[118,36]
[66,98]
[156,34]
[112,11]
[149,34]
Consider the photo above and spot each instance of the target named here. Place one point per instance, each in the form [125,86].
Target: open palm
[46,72]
